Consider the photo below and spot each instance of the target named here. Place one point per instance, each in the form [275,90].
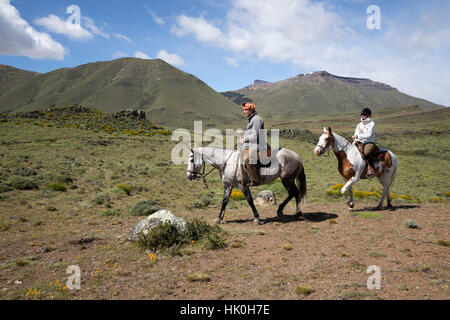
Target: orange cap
[248,106]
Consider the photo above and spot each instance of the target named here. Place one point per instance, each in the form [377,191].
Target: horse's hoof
[299,216]
[217,221]
[351,205]
[280,214]
[379,208]
[257,221]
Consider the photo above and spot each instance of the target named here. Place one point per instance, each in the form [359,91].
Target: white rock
[153,220]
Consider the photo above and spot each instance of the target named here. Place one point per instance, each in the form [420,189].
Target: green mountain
[170,96]
[321,93]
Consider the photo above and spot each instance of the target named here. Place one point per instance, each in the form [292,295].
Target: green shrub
[57,186]
[101,198]
[302,290]
[21,183]
[24,172]
[110,213]
[145,208]
[166,236]
[5,188]
[62,178]
[125,188]
[163,236]
[197,277]
[204,200]
[442,242]
[4,226]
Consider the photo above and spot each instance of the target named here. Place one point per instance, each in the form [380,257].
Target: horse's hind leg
[249,198]
[384,181]
[226,198]
[293,192]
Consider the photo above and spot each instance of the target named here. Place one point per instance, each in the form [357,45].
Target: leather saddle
[378,155]
[268,164]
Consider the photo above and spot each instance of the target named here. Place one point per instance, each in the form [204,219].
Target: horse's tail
[301,185]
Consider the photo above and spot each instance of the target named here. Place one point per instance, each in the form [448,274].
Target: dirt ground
[323,256]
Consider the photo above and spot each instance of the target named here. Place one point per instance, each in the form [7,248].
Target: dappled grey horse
[285,164]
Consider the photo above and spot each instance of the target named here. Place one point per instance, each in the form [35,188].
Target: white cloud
[155,18]
[93,28]
[204,31]
[72,27]
[20,39]
[123,37]
[309,34]
[232,62]
[55,25]
[141,55]
[170,58]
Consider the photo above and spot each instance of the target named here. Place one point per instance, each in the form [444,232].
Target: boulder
[265,198]
[153,220]
[412,224]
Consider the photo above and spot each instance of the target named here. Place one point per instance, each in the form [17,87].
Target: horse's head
[326,141]
[195,164]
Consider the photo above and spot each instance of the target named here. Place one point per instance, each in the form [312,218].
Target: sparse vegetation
[125,188]
[57,186]
[302,290]
[165,235]
[198,277]
[21,183]
[83,227]
[368,215]
[145,208]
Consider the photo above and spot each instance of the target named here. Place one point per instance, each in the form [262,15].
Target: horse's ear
[329,130]
[324,130]
[192,150]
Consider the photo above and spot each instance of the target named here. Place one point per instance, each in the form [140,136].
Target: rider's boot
[253,175]
[370,171]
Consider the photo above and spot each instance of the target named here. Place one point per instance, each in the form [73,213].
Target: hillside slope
[321,93]
[172,97]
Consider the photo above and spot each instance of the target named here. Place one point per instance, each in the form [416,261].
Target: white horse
[285,164]
[352,166]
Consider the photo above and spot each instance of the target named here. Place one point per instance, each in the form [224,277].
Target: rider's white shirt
[365,131]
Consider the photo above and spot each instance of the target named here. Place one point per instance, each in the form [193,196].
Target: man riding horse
[253,143]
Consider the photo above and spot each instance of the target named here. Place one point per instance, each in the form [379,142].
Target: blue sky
[230,43]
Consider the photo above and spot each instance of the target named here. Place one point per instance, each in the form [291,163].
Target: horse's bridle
[202,175]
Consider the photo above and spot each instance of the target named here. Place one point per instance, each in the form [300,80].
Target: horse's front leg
[348,187]
[226,198]
[248,196]
[351,203]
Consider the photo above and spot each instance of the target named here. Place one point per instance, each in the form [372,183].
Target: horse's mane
[343,140]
